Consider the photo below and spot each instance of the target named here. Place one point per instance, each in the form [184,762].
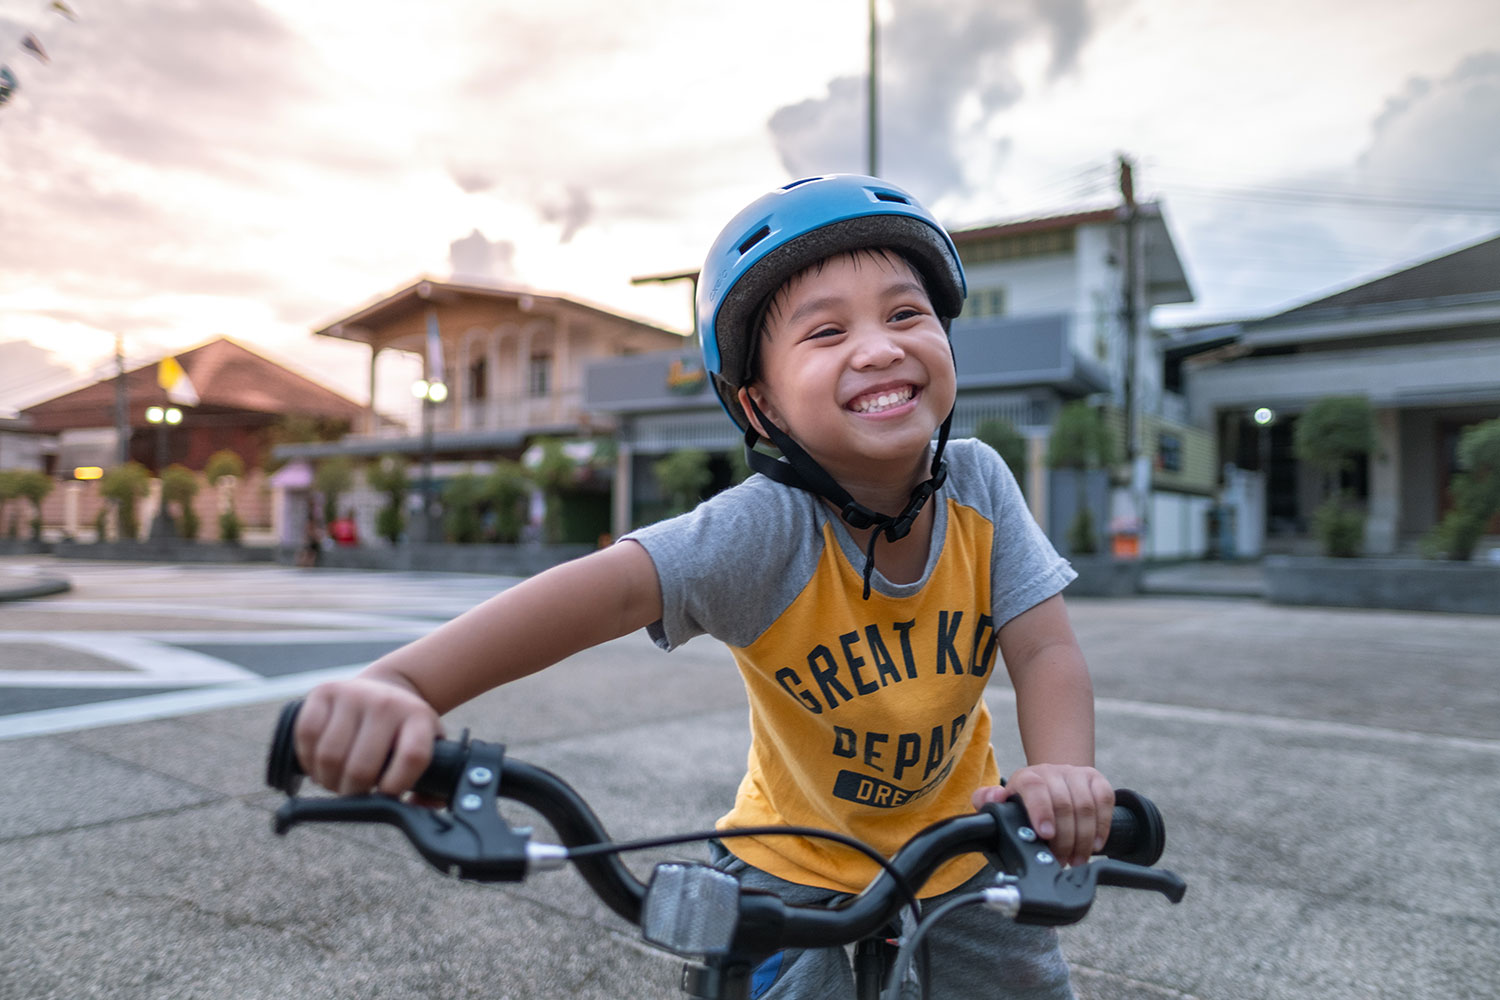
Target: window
[1169,452]
[478,379]
[539,375]
[985,302]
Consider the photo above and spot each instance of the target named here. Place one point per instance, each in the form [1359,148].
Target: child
[865,639]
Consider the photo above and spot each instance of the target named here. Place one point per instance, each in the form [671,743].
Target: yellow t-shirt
[867,717]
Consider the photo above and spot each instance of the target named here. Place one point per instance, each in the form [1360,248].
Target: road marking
[164,706]
[1285,725]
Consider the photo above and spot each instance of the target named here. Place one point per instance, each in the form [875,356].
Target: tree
[1080,442]
[1001,435]
[221,466]
[684,475]
[1476,492]
[34,485]
[555,471]
[180,486]
[388,476]
[507,489]
[1332,436]
[123,485]
[10,489]
[463,503]
[333,478]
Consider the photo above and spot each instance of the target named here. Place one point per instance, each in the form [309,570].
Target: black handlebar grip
[1137,834]
[284,771]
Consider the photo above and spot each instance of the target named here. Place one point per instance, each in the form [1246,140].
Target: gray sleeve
[732,565]
[1025,569]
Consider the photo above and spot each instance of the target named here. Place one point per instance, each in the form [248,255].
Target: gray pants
[976,953]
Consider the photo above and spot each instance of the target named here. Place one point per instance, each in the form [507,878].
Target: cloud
[31,374]
[476,258]
[946,67]
[573,212]
[1441,134]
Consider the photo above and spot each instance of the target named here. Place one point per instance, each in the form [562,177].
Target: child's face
[856,367]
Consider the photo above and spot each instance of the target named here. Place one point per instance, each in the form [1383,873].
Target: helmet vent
[754,238]
[891,196]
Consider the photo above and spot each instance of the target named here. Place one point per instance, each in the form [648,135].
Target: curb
[41,587]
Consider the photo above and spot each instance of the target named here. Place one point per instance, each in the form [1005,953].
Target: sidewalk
[21,579]
[1205,579]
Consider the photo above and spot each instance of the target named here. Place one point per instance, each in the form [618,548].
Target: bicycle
[700,913]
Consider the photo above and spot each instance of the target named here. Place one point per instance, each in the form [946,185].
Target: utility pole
[1128,306]
[1140,484]
[122,404]
[872,132]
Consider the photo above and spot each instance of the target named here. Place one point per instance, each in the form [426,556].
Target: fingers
[351,735]
[1069,807]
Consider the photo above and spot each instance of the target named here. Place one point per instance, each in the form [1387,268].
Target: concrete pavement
[1327,776]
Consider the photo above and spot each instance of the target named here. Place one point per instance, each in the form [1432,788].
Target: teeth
[884,401]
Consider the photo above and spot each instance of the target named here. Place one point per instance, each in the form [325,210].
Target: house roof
[1164,271]
[407,304]
[227,377]
[1472,270]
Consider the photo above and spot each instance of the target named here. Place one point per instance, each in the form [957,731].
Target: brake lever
[469,839]
[1038,890]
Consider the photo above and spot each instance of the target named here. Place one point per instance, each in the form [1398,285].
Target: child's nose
[876,347]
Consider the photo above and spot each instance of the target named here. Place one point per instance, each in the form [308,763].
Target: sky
[183,169]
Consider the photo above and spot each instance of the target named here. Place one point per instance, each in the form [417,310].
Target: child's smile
[855,366]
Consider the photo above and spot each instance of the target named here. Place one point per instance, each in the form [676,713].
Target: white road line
[332,619]
[1271,723]
[100,640]
[163,706]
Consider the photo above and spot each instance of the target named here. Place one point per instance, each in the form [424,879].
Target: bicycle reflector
[691,909]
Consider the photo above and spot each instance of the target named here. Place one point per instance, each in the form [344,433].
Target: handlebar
[471,840]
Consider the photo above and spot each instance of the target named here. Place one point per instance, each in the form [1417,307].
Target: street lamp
[163,417]
[430,393]
[1264,417]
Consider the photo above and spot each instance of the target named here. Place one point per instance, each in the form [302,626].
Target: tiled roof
[228,378]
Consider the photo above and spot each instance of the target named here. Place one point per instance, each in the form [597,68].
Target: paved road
[1328,777]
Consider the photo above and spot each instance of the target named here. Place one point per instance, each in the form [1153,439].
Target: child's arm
[1069,803]
[346,730]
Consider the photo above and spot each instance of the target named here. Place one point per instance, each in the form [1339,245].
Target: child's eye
[905,313]
[827,331]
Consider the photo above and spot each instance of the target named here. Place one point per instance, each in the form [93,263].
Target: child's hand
[357,734]
[1070,807]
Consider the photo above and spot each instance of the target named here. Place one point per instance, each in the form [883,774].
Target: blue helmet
[784,231]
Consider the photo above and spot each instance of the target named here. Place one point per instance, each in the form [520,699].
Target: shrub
[683,475]
[1340,525]
[388,476]
[333,478]
[1331,436]
[179,485]
[123,485]
[1081,534]
[230,528]
[1002,436]
[463,502]
[1476,493]
[34,485]
[507,489]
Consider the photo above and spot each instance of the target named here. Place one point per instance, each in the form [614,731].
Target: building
[244,399]
[1421,344]
[1050,317]
[511,364]
[242,396]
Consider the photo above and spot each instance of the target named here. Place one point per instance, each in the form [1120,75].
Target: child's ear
[745,394]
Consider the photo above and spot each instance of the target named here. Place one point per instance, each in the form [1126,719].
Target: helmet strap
[801,471]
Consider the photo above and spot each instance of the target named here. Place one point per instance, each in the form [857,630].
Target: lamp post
[163,417]
[430,393]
